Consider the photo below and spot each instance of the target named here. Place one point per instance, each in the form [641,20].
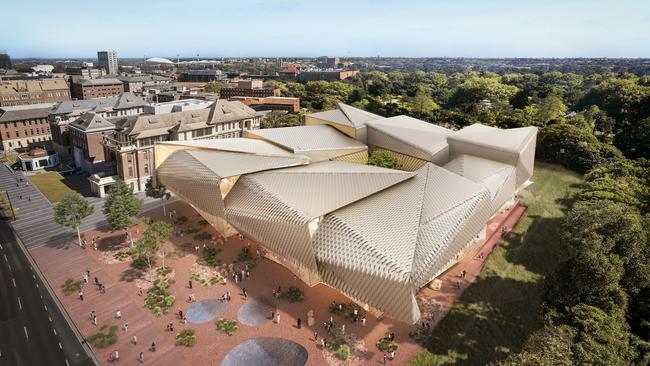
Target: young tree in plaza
[160,231]
[157,192]
[120,206]
[71,210]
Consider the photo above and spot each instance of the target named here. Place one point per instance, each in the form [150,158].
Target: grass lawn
[51,184]
[496,314]
[10,158]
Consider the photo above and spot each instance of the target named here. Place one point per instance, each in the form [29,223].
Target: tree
[214,87]
[275,119]
[383,159]
[157,192]
[159,232]
[551,110]
[71,210]
[120,206]
[601,339]
[634,141]
[147,247]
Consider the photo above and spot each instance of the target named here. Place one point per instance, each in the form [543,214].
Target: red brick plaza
[122,293]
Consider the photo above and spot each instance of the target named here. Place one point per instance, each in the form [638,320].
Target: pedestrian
[153,347]
[273,315]
[315,336]
[457,284]
[248,274]
[323,343]
[92,313]
[118,315]
[392,355]
[258,253]
[243,273]
[171,327]
[102,289]
[343,329]
[274,294]
[126,327]
[134,339]
[228,295]
[298,323]
[189,284]
[95,319]
[196,248]
[96,281]
[278,319]
[140,291]
[363,321]
[116,356]
[81,295]
[245,293]
[385,358]
[141,357]
[21,196]
[29,198]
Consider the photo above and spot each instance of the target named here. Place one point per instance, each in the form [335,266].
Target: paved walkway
[35,224]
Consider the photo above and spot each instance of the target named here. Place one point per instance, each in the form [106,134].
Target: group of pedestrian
[462,274]
[226,296]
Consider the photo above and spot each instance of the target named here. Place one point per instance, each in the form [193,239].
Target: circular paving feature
[256,311]
[206,310]
[266,351]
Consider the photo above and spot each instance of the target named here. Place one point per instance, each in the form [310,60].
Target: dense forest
[597,303]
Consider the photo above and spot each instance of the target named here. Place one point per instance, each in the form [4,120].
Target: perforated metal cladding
[395,298]
[262,216]
[526,162]
[430,146]
[375,235]
[442,237]
[308,138]
[360,157]
[229,164]
[190,180]
[502,187]
[317,189]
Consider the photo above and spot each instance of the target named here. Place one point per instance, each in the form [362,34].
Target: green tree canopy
[121,205]
[384,159]
[157,192]
[71,210]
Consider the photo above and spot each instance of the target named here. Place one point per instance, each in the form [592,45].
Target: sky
[302,28]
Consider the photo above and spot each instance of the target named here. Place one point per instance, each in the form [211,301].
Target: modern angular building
[376,235]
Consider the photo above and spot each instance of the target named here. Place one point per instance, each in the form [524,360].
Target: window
[17,133]
[128,158]
[8,135]
[146,170]
[130,172]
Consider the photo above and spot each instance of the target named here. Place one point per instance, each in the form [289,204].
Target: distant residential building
[84,72]
[25,126]
[327,75]
[96,88]
[328,62]
[136,82]
[289,72]
[38,158]
[108,61]
[249,88]
[291,105]
[86,136]
[129,154]
[63,113]
[204,76]
[17,92]
[177,106]
[5,61]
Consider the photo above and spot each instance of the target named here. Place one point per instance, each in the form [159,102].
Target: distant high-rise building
[5,60]
[108,60]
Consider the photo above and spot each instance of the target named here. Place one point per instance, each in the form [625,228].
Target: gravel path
[206,310]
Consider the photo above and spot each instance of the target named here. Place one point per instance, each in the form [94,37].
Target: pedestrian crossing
[35,214]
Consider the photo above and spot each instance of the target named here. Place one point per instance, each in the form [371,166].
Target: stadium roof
[159,60]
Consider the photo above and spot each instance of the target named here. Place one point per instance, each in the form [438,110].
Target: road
[32,330]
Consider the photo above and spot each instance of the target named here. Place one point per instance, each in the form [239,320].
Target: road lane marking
[54,331]
[10,269]
[49,318]
[6,260]
[14,281]
[61,347]
[66,362]
[34,276]
[45,306]
[20,305]
[26,336]
[1,247]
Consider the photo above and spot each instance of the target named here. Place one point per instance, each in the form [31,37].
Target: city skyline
[288,28]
